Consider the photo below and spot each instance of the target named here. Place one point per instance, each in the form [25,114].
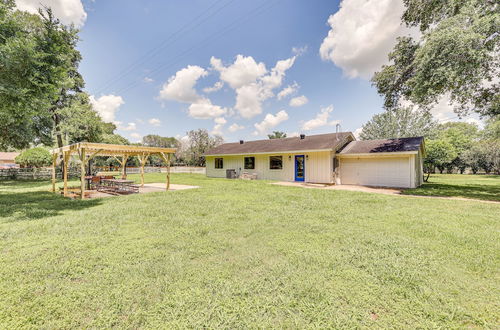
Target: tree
[456,56]
[79,122]
[438,153]
[461,136]
[34,157]
[199,142]
[38,77]
[398,123]
[277,135]
[152,140]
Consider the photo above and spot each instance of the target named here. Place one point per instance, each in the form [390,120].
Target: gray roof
[385,145]
[310,142]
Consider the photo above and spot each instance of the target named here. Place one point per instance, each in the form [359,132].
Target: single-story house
[8,159]
[335,158]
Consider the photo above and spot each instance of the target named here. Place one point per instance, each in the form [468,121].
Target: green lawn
[246,254]
[485,187]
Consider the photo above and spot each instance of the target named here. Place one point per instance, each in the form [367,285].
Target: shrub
[35,157]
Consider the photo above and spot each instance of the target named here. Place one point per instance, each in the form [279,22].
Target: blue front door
[300,168]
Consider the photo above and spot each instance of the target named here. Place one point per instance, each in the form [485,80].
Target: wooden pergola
[86,151]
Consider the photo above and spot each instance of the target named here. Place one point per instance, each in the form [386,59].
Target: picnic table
[118,186]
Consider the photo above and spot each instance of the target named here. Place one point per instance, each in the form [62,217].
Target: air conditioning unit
[231,174]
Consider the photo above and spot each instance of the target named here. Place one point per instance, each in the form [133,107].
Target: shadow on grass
[37,205]
[483,192]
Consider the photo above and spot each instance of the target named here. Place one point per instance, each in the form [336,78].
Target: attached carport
[382,163]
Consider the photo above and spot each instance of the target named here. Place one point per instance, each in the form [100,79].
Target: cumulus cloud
[218,85]
[148,80]
[180,87]
[298,101]
[235,127]
[204,109]
[269,122]
[320,120]
[67,11]
[244,70]
[252,82]
[154,121]
[219,124]
[289,90]
[357,132]
[107,106]
[362,33]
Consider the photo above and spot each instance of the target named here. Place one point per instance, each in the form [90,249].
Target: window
[276,162]
[219,163]
[249,163]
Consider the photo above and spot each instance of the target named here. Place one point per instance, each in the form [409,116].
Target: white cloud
[129,127]
[357,132]
[299,51]
[269,122]
[136,136]
[243,71]
[180,87]
[362,33]
[154,121]
[204,109]
[219,124]
[220,120]
[320,120]
[218,85]
[298,101]
[67,11]
[148,80]
[289,90]
[249,100]
[107,106]
[292,134]
[235,127]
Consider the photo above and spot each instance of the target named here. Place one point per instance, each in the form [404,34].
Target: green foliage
[438,154]
[114,139]
[277,135]
[34,157]
[246,254]
[457,55]
[39,75]
[79,122]
[398,123]
[199,141]
[152,140]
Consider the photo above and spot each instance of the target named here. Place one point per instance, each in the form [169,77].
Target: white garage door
[383,172]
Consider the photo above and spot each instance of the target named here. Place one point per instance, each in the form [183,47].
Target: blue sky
[147,64]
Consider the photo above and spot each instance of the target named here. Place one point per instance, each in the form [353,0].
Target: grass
[484,187]
[246,254]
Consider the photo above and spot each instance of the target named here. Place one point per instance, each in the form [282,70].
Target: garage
[370,171]
[382,163]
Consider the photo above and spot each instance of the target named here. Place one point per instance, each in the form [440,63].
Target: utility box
[231,174]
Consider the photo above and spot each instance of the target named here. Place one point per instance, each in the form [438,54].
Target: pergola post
[66,157]
[54,163]
[82,172]
[167,160]
[124,164]
[143,159]
[168,172]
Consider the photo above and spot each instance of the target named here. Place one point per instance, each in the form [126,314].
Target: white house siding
[388,171]
[318,166]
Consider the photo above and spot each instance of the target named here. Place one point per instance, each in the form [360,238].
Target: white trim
[269,152]
[378,154]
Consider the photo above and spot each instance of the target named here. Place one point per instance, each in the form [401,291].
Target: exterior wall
[390,170]
[419,169]
[318,166]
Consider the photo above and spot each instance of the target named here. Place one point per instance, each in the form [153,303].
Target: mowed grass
[246,254]
[484,187]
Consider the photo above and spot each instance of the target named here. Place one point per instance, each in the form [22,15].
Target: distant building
[8,159]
